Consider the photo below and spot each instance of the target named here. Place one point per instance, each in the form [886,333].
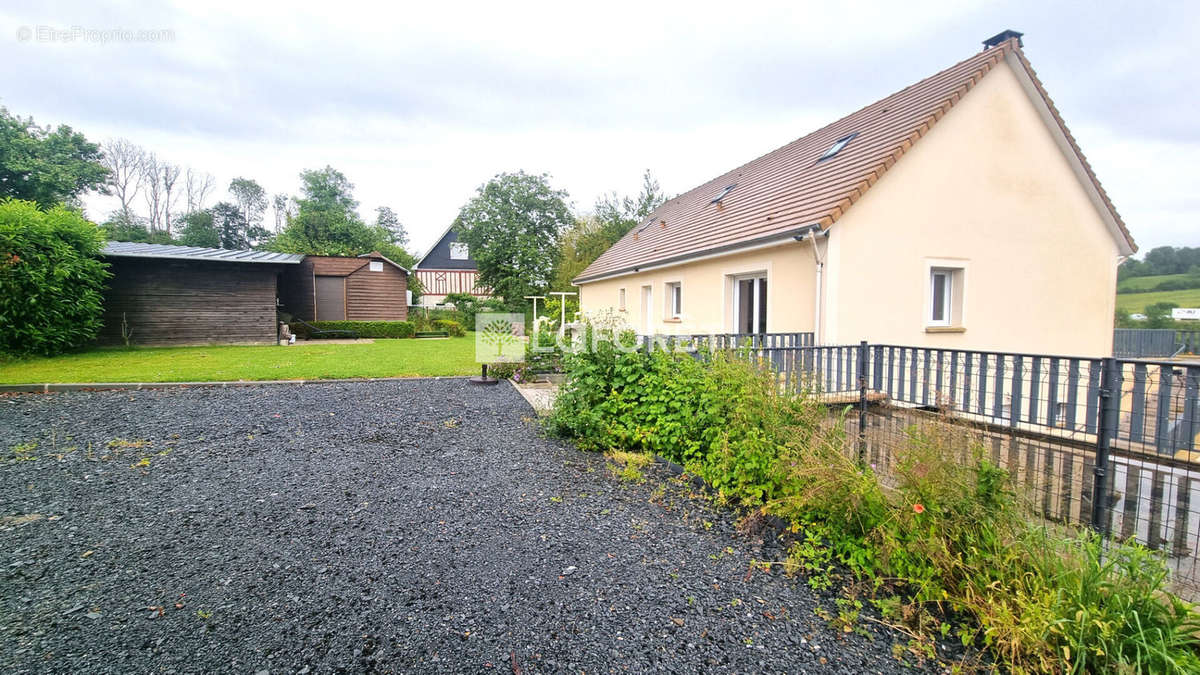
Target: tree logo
[499,337]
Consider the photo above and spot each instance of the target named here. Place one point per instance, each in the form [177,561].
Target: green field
[1137,283]
[1136,302]
[309,361]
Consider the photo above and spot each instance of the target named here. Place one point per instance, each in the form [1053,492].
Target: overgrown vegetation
[948,548]
[51,279]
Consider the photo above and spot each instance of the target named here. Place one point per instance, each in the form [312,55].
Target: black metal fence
[1154,342]
[1104,442]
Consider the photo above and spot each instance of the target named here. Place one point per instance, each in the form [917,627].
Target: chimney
[1000,37]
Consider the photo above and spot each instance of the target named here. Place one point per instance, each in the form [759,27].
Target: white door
[647,307]
[749,304]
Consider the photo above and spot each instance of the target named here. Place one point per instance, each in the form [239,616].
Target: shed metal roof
[127,249]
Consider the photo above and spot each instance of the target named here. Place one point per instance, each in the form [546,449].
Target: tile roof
[126,249]
[790,189]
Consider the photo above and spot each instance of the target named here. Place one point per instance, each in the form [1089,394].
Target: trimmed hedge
[365,329]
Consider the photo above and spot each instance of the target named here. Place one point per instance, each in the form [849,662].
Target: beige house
[958,213]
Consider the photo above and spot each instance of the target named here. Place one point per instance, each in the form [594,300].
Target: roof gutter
[728,249]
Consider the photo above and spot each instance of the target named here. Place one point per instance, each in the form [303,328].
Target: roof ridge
[896,94]
[790,187]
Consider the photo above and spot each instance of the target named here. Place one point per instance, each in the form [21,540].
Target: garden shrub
[51,279]
[452,328]
[469,305]
[365,329]
[948,547]
[424,318]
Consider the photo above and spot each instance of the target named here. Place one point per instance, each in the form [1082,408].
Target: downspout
[819,272]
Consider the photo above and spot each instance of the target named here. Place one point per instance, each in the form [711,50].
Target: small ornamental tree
[51,279]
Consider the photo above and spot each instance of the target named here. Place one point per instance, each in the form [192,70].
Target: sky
[421,104]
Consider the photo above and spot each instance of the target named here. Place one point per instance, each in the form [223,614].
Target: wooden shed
[327,288]
[162,294]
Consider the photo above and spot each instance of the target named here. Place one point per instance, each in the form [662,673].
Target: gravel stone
[414,526]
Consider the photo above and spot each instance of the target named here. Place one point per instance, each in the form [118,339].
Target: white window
[674,300]
[621,299]
[376,266]
[945,299]
[941,295]
[459,250]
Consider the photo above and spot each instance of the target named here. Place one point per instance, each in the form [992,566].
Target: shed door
[331,298]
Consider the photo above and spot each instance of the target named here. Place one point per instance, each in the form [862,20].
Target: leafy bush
[508,370]
[469,305]
[453,328]
[365,329]
[51,279]
[950,545]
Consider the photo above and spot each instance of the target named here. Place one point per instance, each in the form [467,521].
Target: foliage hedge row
[365,329]
[950,548]
[51,279]
[382,329]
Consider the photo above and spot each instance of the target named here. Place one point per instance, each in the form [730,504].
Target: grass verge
[381,358]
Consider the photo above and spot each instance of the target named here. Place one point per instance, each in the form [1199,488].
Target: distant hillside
[1137,302]
[1146,283]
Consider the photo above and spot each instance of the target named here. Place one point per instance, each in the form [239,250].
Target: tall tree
[152,190]
[122,226]
[326,222]
[198,230]
[284,208]
[46,166]
[168,176]
[386,219]
[196,185]
[231,226]
[613,217]
[327,190]
[250,197]
[512,226]
[124,161]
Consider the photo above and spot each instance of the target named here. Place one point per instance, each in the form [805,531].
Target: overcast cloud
[421,104]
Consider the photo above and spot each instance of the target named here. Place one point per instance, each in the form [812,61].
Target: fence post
[1106,427]
[862,402]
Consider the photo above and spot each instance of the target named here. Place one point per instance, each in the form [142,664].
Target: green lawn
[382,358]
[1137,302]
[1146,282]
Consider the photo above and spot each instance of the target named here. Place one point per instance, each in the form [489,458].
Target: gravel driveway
[417,526]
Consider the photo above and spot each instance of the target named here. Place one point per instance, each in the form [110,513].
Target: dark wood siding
[186,302]
[297,292]
[370,296]
[377,296]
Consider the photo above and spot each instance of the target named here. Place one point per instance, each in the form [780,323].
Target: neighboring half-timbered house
[448,268]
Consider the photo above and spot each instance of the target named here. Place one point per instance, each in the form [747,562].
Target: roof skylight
[838,145]
[727,190]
